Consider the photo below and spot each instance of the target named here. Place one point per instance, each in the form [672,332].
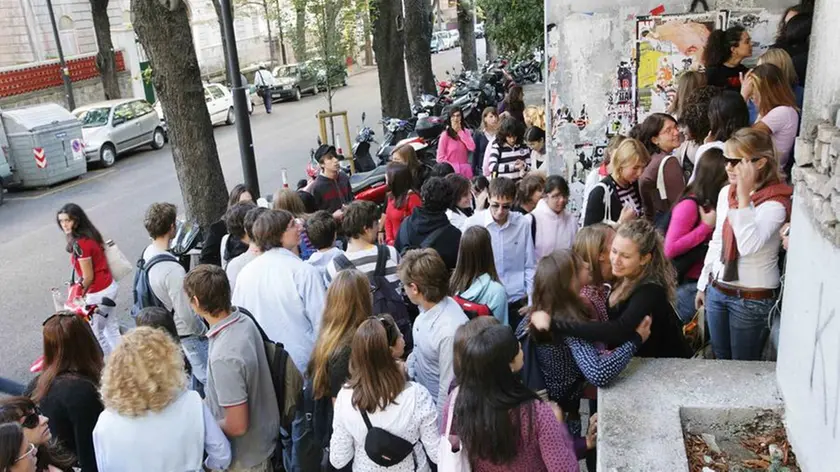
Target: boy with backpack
[240,387]
[159,282]
[429,227]
[426,281]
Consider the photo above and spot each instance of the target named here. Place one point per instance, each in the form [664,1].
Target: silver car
[116,126]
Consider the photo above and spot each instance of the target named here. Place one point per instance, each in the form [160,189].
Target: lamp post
[240,104]
[65,72]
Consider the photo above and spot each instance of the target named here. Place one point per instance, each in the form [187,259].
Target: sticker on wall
[78,149]
[40,157]
[667,46]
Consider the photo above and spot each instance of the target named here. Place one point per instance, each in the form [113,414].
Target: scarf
[774,191]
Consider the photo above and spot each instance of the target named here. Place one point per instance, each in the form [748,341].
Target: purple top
[685,232]
[552,451]
[456,151]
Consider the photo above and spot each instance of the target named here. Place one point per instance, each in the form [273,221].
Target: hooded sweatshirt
[554,231]
[422,223]
[487,291]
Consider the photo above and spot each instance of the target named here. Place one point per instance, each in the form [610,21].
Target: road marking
[62,188]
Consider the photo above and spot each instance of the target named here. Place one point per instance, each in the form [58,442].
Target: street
[32,254]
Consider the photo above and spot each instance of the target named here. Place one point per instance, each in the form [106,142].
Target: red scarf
[774,191]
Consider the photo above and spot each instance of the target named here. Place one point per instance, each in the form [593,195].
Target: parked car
[292,80]
[445,41]
[335,67]
[456,38]
[116,126]
[219,100]
[479,30]
[434,47]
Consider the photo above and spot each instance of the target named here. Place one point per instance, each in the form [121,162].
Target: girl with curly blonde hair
[148,408]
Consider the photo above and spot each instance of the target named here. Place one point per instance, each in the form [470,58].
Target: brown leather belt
[745,293]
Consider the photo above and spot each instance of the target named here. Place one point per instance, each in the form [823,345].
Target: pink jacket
[686,231]
[456,151]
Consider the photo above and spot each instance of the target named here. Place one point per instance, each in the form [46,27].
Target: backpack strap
[342,262]
[259,328]
[366,419]
[660,177]
[607,201]
[382,256]
[154,260]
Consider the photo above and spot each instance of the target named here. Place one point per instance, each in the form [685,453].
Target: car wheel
[158,139]
[231,117]
[344,82]
[297,95]
[107,155]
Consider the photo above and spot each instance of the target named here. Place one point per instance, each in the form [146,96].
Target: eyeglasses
[60,313]
[33,419]
[29,453]
[503,206]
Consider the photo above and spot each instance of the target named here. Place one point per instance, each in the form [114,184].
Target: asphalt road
[32,256]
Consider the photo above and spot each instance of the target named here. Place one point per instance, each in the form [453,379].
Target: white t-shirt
[783,123]
[702,149]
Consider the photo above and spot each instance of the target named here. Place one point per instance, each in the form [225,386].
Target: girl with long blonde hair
[348,304]
[778,114]
[617,198]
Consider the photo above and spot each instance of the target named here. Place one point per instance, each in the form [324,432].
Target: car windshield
[95,117]
[287,72]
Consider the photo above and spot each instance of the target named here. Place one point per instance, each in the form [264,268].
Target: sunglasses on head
[32,419]
[503,206]
[390,330]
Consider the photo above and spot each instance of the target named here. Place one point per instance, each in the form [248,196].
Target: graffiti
[762,28]
[667,46]
[819,352]
[621,114]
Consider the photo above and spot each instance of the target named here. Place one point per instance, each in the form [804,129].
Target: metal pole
[240,104]
[65,72]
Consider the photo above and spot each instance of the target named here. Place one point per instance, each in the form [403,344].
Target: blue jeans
[266,94]
[686,293]
[195,348]
[737,327]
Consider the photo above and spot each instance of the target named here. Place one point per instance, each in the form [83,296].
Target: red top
[394,215]
[86,248]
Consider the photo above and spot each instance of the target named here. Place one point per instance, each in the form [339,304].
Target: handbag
[385,448]
[118,264]
[452,457]
[532,375]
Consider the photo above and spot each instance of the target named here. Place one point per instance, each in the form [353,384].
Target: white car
[455,36]
[219,102]
[444,40]
[113,127]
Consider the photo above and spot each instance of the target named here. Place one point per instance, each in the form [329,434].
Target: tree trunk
[388,44]
[106,60]
[418,39]
[366,27]
[218,7]
[466,29]
[164,32]
[271,50]
[490,47]
[299,43]
[280,33]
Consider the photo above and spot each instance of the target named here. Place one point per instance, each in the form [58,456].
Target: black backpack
[144,296]
[682,263]
[386,300]
[427,242]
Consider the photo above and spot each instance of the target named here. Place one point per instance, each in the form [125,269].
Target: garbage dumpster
[43,145]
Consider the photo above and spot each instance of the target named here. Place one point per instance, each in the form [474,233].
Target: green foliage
[517,26]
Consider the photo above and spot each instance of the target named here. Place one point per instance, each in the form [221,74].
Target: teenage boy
[166,280]
[285,294]
[240,392]
[234,267]
[321,229]
[361,224]
[513,246]
[426,280]
[430,224]
[331,189]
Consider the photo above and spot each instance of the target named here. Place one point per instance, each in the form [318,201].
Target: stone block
[826,132]
[829,112]
[803,152]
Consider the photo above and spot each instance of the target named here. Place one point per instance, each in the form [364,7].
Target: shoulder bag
[452,457]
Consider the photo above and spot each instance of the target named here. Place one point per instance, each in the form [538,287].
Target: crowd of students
[465,321]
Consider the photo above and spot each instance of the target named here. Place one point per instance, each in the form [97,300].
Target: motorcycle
[361,150]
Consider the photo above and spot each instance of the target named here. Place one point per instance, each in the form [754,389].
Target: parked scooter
[361,150]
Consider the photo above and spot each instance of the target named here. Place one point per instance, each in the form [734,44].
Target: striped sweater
[503,160]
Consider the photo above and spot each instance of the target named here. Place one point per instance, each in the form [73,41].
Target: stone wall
[84,92]
[808,366]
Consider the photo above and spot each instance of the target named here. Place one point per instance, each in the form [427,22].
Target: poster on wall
[762,26]
[667,46]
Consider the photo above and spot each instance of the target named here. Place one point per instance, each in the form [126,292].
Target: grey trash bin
[45,145]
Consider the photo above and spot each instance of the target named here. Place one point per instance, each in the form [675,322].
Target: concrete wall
[85,91]
[586,43]
[808,366]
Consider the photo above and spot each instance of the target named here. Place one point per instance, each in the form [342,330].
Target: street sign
[40,158]
[78,149]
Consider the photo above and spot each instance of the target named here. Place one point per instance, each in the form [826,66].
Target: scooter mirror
[363,116]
